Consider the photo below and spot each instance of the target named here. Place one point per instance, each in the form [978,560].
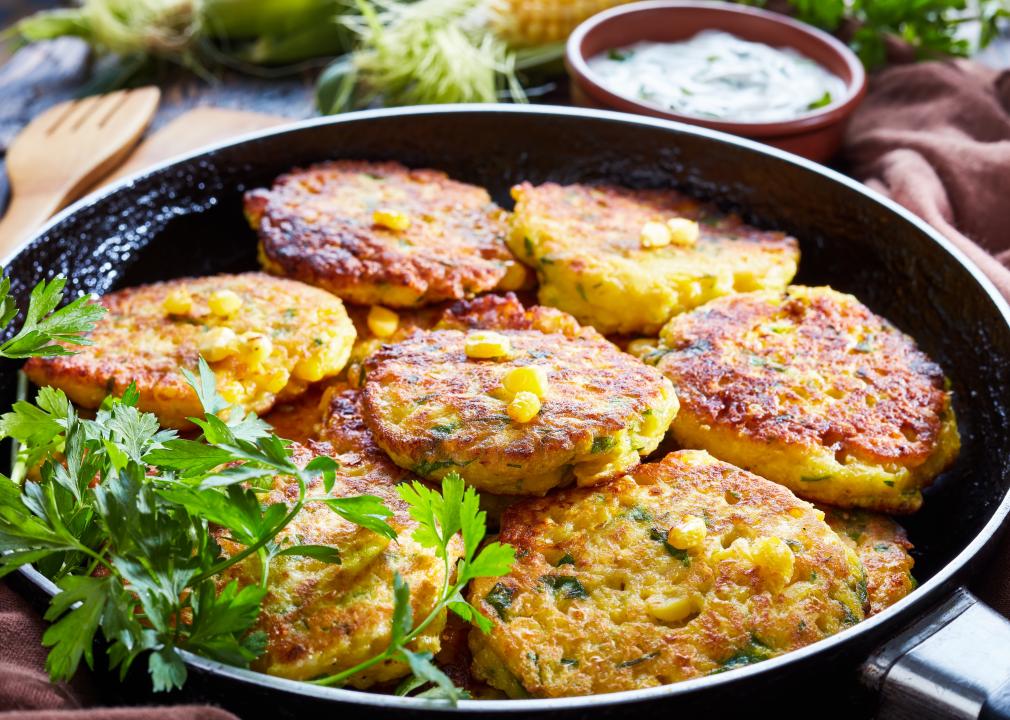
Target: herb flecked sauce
[719,76]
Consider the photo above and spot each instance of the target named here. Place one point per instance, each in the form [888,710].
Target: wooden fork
[64,151]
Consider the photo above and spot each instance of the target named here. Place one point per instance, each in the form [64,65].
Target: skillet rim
[901,613]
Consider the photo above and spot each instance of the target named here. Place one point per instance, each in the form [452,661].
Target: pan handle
[954,664]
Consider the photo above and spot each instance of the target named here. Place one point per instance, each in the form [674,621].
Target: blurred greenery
[423,51]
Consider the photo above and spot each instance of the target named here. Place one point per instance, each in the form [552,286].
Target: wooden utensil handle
[25,214]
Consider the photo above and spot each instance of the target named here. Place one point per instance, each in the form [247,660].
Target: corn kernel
[515,277]
[655,235]
[218,343]
[524,407]
[775,560]
[483,344]
[688,533]
[224,302]
[739,550]
[274,380]
[232,391]
[640,347]
[382,322]
[178,302]
[529,378]
[537,22]
[355,375]
[683,232]
[672,609]
[391,219]
[309,369]
[257,348]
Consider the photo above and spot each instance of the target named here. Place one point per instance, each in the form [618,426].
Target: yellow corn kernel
[274,380]
[232,391]
[515,277]
[483,344]
[524,407]
[309,369]
[224,302]
[391,219]
[382,322]
[640,347]
[355,375]
[178,302]
[775,559]
[672,609]
[218,343]
[529,378]
[739,550]
[796,512]
[256,348]
[683,232]
[537,22]
[689,533]
[655,235]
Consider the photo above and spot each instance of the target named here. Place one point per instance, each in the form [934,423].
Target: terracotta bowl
[816,134]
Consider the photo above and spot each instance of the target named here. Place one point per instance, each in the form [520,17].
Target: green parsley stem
[264,567]
[94,561]
[388,653]
[259,544]
[96,557]
[340,677]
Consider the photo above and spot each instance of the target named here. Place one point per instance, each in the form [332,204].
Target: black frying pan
[185,218]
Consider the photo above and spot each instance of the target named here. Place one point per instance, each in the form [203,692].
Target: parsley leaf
[46,330]
[441,517]
[72,635]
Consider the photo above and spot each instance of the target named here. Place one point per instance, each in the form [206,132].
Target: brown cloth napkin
[935,137]
[27,694]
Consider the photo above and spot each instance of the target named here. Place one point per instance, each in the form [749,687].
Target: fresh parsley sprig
[120,514]
[931,28]
[121,517]
[47,330]
[440,517]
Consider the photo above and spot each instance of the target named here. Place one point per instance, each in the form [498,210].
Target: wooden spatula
[64,150]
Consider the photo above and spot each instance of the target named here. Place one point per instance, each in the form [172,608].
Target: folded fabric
[935,137]
[27,694]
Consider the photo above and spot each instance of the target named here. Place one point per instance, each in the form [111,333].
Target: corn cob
[535,22]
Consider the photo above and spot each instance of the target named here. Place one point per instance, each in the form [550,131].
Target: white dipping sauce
[717,75]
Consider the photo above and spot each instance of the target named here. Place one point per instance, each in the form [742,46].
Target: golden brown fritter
[345,431]
[322,618]
[435,410]
[323,225]
[810,389]
[454,659]
[266,338]
[883,548]
[585,243]
[684,568]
